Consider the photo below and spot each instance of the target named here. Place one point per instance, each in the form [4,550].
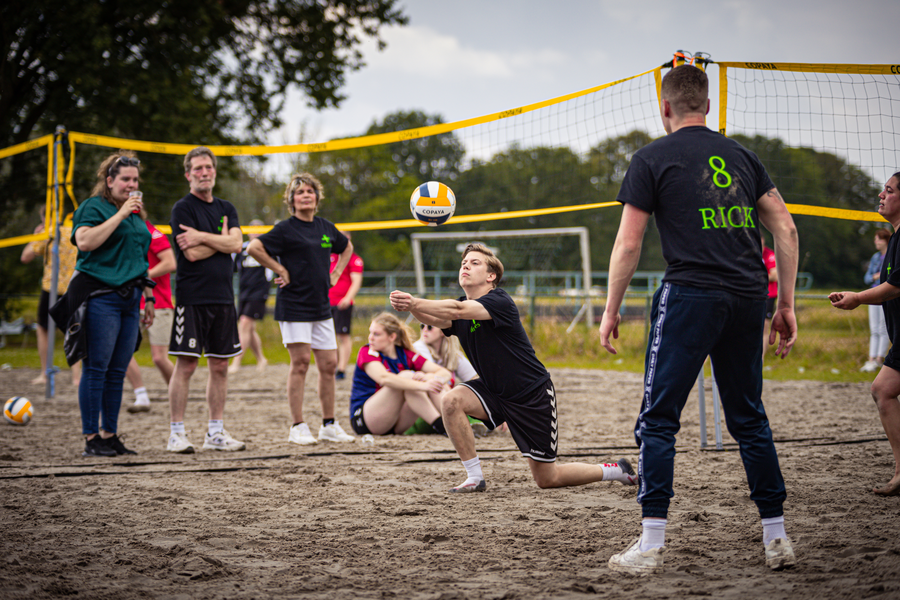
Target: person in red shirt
[162,263]
[768,256]
[341,298]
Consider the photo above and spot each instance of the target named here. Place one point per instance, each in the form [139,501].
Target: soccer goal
[530,251]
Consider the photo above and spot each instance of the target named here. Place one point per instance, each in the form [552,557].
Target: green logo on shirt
[474,326]
[221,222]
[326,241]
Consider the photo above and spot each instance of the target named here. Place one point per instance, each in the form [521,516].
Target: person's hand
[844,300]
[132,205]
[344,304]
[419,376]
[149,315]
[875,277]
[785,324]
[435,386]
[189,237]
[284,277]
[401,301]
[609,325]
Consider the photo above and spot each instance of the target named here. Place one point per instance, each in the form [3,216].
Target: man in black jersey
[512,384]
[709,195]
[207,233]
[886,387]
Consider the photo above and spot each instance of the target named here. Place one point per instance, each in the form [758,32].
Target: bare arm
[439,313]
[385,378]
[774,216]
[622,264]
[256,249]
[875,295]
[165,265]
[88,239]
[343,259]
[355,284]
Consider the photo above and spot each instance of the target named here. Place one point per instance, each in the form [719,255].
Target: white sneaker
[870,367]
[334,433]
[780,554]
[179,444]
[222,440]
[301,435]
[139,406]
[635,562]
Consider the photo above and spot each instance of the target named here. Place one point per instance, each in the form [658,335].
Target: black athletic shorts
[358,423]
[532,423]
[770,307]
[255,309]
[891,359]
[342,319]
[205,329]
[43,317]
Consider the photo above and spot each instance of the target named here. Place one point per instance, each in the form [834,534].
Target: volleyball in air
[17,411]
[432,203]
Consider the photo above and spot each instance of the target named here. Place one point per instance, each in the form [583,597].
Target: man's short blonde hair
[493,263]
[198,151]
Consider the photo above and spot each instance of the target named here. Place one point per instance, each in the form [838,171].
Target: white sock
[773,528]
[613,472]
[140,395]
[473,470]
[177,427]
[216,426]
[654,534]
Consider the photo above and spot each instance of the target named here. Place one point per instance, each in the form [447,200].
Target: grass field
[832,345]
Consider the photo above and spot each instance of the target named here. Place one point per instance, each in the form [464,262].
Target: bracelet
[150,299]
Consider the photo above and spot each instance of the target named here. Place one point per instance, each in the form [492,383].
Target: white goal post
[587,308]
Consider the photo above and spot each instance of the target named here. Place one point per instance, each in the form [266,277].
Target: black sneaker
[339,375]
[97,446]
[116,445]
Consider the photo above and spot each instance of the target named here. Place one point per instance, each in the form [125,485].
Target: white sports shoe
[301,435]
[870,367]
[222,440]
[179,444]
[780,554]
[334,433]
[635,562]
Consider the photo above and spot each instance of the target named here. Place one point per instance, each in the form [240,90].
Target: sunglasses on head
[424,326]
[125,161]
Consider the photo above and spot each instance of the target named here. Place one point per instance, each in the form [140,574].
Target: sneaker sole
[188,450]
[347,441]
[225,448]
[310,443]
[138,408]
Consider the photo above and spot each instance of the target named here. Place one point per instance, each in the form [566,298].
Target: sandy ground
[343,520]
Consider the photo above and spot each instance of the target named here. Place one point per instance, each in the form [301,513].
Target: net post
[60,135]
[701,392]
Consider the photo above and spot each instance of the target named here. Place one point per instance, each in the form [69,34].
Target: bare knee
[185,367]
[299,367]
[451,404]
[218,367]
[545,475]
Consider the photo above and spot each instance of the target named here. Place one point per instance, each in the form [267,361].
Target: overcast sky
[464,58]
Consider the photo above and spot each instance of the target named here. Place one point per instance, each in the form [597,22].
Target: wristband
[150,299]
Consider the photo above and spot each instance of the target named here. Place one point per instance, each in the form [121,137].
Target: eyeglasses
[424,326]
[125,161]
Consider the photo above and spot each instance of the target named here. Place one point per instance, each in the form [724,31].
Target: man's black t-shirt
[500,349]
[890,273]
[702,188]
[254,285]
[207,281]
[304,248]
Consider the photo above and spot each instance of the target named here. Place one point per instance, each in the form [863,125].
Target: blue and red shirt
[364,386]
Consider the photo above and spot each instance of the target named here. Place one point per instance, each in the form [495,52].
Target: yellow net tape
[342,144]
[815,67]
[46,140]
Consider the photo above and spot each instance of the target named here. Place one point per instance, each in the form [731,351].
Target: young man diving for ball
[512,385]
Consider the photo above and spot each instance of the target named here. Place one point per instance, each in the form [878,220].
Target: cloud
[428,53]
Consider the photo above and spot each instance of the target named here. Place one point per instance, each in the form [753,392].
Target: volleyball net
[557,162]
